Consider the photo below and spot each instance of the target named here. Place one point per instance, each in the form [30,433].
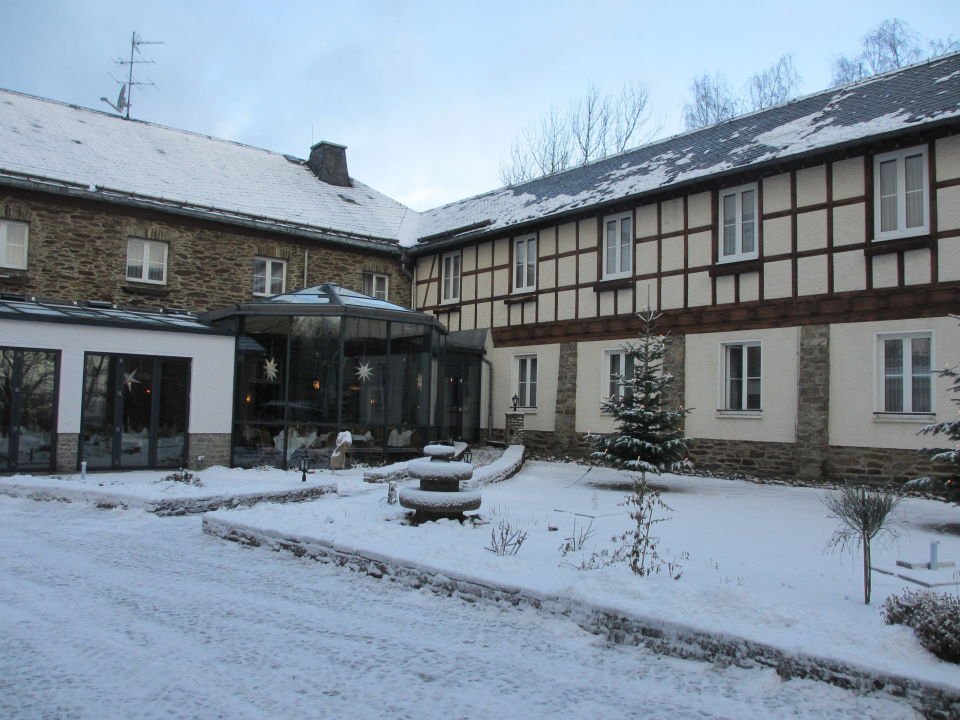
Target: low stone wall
[214,447]
[933,700]
[67,446]
[763,459]
[881,465]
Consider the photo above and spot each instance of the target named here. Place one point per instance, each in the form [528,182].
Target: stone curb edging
[168,506]
[934,701]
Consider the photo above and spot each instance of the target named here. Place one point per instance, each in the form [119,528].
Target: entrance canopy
[314,363]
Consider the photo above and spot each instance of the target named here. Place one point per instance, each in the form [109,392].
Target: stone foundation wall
[766,459]
[881,465]
[214,447]
[813,403]
[78,250]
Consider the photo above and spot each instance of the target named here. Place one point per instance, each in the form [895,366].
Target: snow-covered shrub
[934,617]
[505,539]
[184,476]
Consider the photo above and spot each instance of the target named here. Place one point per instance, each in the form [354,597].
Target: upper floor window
[905,383]
[13,244]
[525,263]
[146,260]
[742,376]
[738,223]
[526,370]
[617,246]
[375,285]
[618,367]
[269,276]
[901,195]
[450,277]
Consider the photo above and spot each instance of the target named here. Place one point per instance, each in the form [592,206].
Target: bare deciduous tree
[890,45]
[777,84]
[712,102]
[595,125]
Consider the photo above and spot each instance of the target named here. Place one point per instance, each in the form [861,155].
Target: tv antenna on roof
[122,105]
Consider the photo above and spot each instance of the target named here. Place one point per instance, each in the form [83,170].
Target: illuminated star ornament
[129,378]
[419,381]
[270,369]
[364,372]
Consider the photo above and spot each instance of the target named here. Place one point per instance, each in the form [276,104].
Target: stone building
[805,259]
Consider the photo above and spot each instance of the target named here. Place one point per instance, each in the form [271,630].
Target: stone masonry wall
[214,447]
[77,250]
[813,402]
[67,446]
[566,402]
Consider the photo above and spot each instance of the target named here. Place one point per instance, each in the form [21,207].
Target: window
[618,366]
[375,285]
[13,244]
[738,223]
[146,261]
[617,246]
[527,380]
[525,264]
[269,276]
[742,376]
[905,383]
[450,278]
[900,194]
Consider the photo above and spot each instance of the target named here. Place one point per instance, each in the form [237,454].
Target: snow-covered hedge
[500,469]
[934,617]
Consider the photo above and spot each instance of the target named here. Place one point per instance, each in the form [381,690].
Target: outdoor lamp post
[516,401]
[304,463]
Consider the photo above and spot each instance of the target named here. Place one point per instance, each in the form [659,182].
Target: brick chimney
[328,161]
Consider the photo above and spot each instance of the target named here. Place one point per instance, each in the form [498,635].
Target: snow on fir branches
[649,435]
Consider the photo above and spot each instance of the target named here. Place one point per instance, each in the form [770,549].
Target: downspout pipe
[489,365]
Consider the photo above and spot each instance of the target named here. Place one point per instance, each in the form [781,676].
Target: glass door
[28,386]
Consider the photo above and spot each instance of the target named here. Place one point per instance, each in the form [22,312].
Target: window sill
[526,296]
[879,246]
[14,278]
[147,290]
[450,306]
[741,414]
[735,268]
[613,284]
[909,418]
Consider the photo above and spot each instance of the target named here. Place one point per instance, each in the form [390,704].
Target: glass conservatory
[313,363]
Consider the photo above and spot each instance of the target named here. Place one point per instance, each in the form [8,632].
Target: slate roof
[106,157]
[924,94]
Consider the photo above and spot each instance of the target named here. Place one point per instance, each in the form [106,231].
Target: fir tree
[951,486]
[649,436]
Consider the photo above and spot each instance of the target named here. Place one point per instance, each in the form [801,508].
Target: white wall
[543,417]
[853,378]
[211,379]
[593,385]
[780,372]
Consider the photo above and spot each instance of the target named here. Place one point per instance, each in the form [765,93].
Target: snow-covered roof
[895,102]
[112,158]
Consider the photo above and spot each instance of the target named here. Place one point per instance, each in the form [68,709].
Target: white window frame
[451,269]
[154,251]
[725,400]
[621,257]
[268,265]
[606,379]
[525,264]
[738,254]
[908,399]
[5,254]
[526,369]
[371,280]
[900,231]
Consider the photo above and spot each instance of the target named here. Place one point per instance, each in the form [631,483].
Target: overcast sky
[427,95]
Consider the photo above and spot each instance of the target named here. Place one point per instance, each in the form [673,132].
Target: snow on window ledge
[917,418]
[741,414]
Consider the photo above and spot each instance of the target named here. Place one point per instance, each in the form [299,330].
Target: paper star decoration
[129,378]
[270,369]
[419,381]
[364,371]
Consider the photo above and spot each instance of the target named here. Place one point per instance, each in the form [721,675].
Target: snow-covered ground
[752,556]
[120,614]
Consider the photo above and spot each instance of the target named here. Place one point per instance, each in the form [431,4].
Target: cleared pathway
[117,614]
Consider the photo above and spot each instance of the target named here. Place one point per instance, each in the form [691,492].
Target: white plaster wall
[671,292]
[485,254]
[567,238]
[547,307]
[884,271]
[211,375]
[853,384]
[849,225]
[468,258]
[647,293]
[588,233]
[948,259]
[592,385]
[672,253]
[546,272]
[547,242]
[916,267]
[543,417]
[588,267]
[776,193]
[566,304]
[671,215]
[567,271]
[848,178]
[698,210]
[948,208]
[699,289]
[812,185]
[777,421]
[811,230]
[647,257]
[777,279]
[646,221]
[776,236]
[948,158]
[849,271]
[700,249]
[501,251]
[812,275]
[484,281]
[749,287]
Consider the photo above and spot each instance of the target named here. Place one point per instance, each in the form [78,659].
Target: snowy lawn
[149,489]
[752,556]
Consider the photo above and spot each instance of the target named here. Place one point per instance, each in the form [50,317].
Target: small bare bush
[578,538]
[505,539]
[863,515]
[184,476]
